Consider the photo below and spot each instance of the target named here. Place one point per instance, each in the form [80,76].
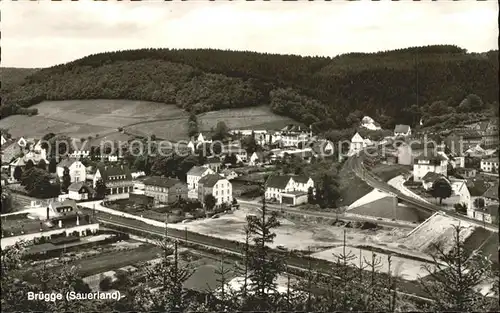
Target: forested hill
[393,87]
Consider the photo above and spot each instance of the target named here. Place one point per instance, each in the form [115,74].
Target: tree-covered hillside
[393,87]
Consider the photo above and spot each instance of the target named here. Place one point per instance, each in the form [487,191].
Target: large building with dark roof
[165,189]
[118,181]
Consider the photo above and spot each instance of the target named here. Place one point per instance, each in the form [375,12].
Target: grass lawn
[83,118]
[255,117]
[174,130]
[351,186]
[387,172]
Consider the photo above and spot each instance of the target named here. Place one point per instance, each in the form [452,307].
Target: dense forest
[393,87]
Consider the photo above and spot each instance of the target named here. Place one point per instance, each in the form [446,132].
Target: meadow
[259,117]
[84,118]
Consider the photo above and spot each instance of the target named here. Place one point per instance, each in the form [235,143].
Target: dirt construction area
[292,235]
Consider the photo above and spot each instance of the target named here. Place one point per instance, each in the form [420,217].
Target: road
[340,216]
[356,163]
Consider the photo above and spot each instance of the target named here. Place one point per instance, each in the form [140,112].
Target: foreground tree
[18,172]
[42,164]
[264,265]
[441,189]
[454,277]
[209,202]
[100,189]
[66,179]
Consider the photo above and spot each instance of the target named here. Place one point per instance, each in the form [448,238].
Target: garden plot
[405,268]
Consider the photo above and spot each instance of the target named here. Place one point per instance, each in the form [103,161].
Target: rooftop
[432,177]
[197,171]
[67,162]
[210,180]
[158,181]
[492,192]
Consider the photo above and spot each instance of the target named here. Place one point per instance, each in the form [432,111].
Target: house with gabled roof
[357,144]
[80,191]
[118,180]
[77,170]
[288,189]
[401,130]
[165,189]
[488,214]
[429,179]
[429,163]
[194,175]
[216,185]
[214,164]
[323,148]
[490,165]
[491,194]
[258,157]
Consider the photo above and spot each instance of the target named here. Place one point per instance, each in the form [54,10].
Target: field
[402,267]
[174,130]
[84,118]
[387,172]
[351,186]
[256,118]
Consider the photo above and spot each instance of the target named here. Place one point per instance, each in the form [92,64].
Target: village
[461,168]
[74,201]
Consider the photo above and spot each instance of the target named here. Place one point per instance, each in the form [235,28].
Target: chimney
[48,213]
[60,224]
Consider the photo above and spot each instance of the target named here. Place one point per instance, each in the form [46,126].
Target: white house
[489,165]
[80,191]
[433,163]
[402,130]
[294,139]
[217,186]
[272,138]
[460,190]
[357,144]
[458,162]
[191,146]
[323,148]
[77,170]
[193,177]
[229,174]
[256,158]
[288,189]
[369,123]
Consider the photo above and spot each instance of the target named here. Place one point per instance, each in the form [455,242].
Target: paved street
[375,182]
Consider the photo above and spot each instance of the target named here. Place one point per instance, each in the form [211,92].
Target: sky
[44,33]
